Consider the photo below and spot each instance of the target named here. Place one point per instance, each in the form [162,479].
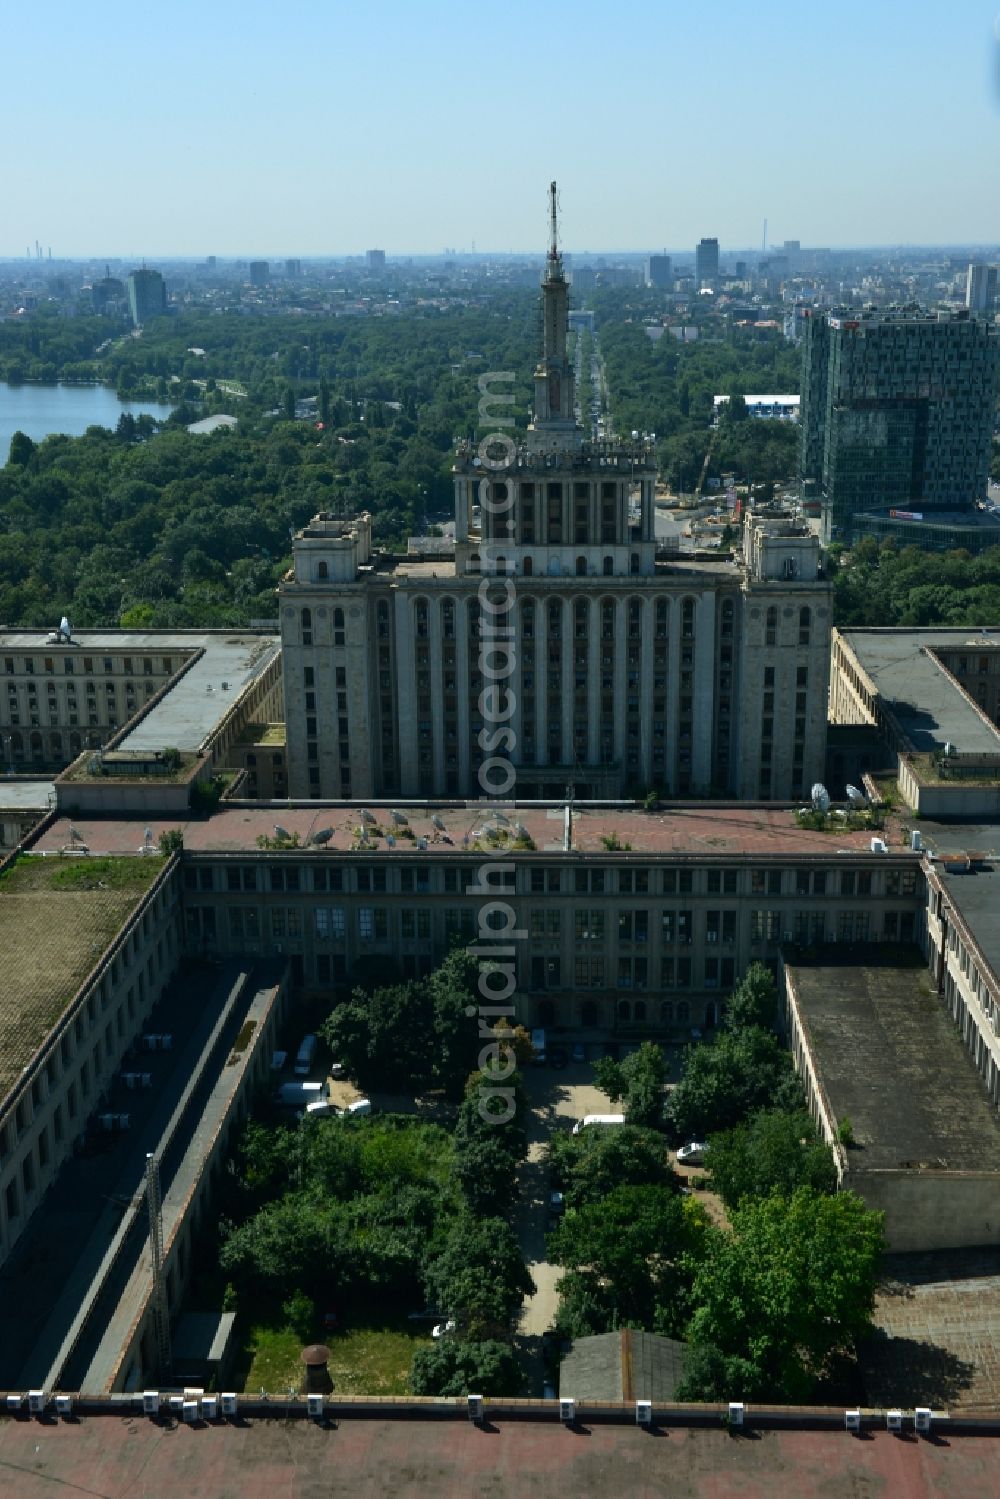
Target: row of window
[321,876]
[109,665]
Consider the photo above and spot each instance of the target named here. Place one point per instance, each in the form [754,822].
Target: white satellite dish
[280,832]
[501,819]
[64,629]
[855,797]
[438,822]
[322,835]
[820,797]
[399,818]
[366,816]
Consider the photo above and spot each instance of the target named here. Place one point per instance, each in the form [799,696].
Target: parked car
[692,1154]
[558,1057]
[557,1203]
[440,1328]
[579,1052]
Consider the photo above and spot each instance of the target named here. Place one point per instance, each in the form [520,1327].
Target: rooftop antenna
[764,243]
[553,223]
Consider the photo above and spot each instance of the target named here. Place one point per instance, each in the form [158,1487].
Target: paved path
[558,1099]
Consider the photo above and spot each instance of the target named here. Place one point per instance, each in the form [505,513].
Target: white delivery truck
[589,1119]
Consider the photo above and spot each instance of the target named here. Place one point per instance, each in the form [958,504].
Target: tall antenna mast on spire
[553,224]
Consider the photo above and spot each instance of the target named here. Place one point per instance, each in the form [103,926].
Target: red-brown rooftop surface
[702,831]
[131,1458]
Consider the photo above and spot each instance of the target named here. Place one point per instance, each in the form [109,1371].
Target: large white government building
[633,671]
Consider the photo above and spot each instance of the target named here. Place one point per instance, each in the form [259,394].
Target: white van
[358,1108]
[305,1056]
[581,1124]
[299,1095]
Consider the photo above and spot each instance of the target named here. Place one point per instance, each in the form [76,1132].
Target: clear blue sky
[315,127]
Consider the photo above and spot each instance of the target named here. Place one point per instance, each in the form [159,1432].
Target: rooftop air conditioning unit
[475,1407]
[314,1405]
[922,1418]
[229,1403]
[567,1411]
[36,1402]
[191,1411]
[852,1420]
[13,1403]
[210,1407]
[894,1420]
[737,1411]
[151,1402]
[643,1413]
[64,1406]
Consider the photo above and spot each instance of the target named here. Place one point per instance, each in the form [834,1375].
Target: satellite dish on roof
[400,818]
[366,816]
[820,797]
[421,843]
[855,797]
[322,835]
[390,840]
[280,832]
[64,629]
[438,822]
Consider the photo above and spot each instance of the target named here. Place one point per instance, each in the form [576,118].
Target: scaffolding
[161,1311]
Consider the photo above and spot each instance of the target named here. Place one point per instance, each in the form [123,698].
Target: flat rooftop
[56,919]
[925,699]
[707,832]
[892,1062]
[409,1459]
[188,714]
[26,796]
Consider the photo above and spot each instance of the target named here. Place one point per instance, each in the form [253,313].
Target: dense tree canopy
[773,1150]
[788,1288]
[639,1080]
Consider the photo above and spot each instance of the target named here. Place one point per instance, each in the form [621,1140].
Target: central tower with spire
[554,425]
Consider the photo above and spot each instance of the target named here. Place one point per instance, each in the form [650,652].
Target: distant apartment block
[981,288]
[375,260]
[897,420]
[147,296]
[659,272]
[260,272]
[706,263]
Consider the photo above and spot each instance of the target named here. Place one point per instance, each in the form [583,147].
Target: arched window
[528,620]
[771,626]
[609,567]
[322,570]
[667,1012]
[527,567]
[75,744]
[581,618]
[624,1010]
[683,1011]
[640,1010]
[634,619]
[55,745]
[555,620]
[581,567]
[448,620]
[607,619]
[420,617]
[661,619]
[805,625]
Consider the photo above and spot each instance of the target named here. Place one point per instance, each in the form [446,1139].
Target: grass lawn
[363,1360]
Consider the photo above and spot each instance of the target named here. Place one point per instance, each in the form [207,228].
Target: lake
[40,410]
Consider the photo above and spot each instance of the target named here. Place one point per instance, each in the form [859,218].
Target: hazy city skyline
[324,130]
